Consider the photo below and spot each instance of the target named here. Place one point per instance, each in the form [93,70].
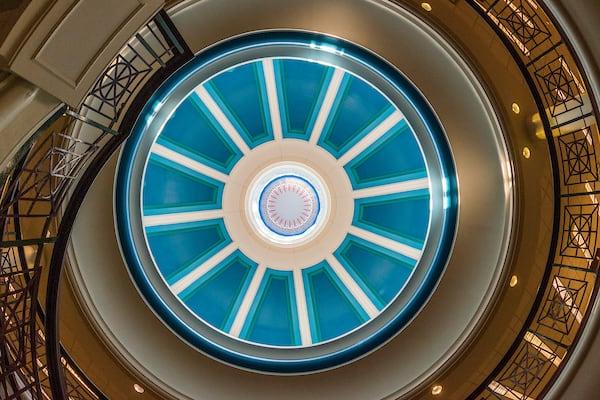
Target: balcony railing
[44,187]
[38,205]
[568,116]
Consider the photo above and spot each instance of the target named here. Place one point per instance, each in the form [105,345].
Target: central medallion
[287,203]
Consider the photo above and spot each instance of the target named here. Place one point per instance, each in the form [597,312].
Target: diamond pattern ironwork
[580,229]
[521,19]
[561,309]
[578,155]
[560,87]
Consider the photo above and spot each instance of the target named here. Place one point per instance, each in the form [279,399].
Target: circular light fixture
[288,204]
[138,388]
[284,207]
[426,6]
[513,281]
[436,390]
[526,152]
[515,108]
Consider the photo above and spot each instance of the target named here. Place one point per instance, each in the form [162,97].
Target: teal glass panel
[169,187]
[217,295]
[179,248]
[395,157]
[402,216]
[301,89]
[332,310]
[357,110]
[273,318]
[380,273]
[194,132]
[240,92]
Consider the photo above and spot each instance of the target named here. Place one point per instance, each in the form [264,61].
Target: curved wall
[391,377]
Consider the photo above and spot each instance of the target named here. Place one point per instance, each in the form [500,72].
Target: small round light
[513,281]
[515,108]
[526,152]
[436,390]
[426,6]
[138,388]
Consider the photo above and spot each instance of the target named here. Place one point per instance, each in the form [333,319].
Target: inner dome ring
[442,200]
[309,181]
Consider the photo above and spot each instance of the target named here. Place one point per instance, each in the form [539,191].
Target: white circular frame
[263,179]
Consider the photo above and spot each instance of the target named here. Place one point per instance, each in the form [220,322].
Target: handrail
[569,119]
[60,169]
[50,175]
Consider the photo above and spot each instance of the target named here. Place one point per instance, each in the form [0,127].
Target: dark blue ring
[435,130]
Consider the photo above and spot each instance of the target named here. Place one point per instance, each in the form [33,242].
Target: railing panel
[568,116]
[31,210]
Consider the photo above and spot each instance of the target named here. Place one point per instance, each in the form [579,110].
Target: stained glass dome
[286,202]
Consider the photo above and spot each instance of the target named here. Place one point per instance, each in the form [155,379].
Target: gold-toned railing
[51,167]
[568,121]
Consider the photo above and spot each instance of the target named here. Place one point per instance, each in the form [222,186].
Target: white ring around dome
[305,180]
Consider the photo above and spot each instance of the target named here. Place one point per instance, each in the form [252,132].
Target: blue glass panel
[170,187]
[241,94]
[380,272]
[302,86]
[332,310]
[178,248]
[402,216]
[273,319]
[395,157]
[357,110]
[193,132]
[217,295]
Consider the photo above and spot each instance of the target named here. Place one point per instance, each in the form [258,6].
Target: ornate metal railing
[46,184]
[37,208]
[568,122]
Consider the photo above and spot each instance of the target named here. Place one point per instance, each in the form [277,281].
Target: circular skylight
[289,205]
[286,202]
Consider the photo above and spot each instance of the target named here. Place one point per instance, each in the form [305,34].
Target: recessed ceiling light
[436,390]
[138,388]
[515,108]
[526,152]
[513,281]
[426,6]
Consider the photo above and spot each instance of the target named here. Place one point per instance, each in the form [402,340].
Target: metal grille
[570,280]
[42,181]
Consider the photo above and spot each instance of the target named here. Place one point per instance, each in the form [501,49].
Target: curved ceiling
[484,191]
[303,200]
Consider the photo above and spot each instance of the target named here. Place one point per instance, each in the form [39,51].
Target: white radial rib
[181,217]
[303,321]
[216,111]
[242,314]
[390,244]
[371,137]
[202,269]
[399,187]
[269,72]
[188,162]
[353,287]
[330,96]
